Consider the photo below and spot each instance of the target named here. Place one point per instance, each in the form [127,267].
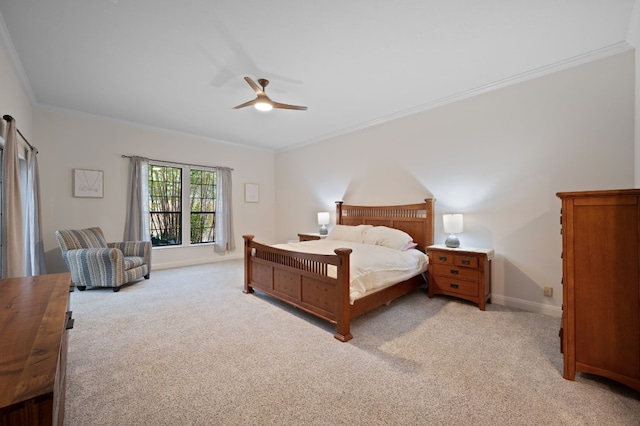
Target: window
[179,206]
[165,205]
[202,202]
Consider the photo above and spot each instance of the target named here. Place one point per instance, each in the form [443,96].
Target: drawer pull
[454,272]
[466,262]
[69,321]
[452,285]
[443,258]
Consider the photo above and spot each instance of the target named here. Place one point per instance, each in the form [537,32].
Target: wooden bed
[302,279]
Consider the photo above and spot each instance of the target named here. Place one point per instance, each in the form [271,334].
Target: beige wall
[499,158]
[14,101]
[67,141]
[633,37]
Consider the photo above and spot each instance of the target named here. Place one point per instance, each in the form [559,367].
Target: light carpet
[187,347]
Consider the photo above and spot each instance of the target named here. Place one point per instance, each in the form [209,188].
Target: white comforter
[372,267]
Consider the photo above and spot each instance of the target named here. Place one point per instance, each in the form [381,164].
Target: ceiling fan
[262,102]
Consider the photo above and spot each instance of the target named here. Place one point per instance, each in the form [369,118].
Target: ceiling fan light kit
[263,106]
[262,102]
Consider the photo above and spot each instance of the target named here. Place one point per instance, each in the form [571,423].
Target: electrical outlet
[548,291]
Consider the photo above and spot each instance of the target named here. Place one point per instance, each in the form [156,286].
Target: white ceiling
[179,65]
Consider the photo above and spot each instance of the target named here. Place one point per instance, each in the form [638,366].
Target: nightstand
[460,272]
[310,236]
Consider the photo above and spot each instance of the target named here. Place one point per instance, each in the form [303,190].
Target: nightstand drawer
[440,257]
[453,272]
[454,287]
[453,259]
[466,261]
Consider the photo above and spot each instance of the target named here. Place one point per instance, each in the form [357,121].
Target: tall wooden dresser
[34,319]
[600,331]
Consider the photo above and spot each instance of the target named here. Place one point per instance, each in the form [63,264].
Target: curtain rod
[9,118]
[175,162]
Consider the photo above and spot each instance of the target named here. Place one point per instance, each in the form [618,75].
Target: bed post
[429,208]
[247,263]
[339,212]
[343,315]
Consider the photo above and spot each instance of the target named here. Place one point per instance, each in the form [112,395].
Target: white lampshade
[452,223]
[323,218]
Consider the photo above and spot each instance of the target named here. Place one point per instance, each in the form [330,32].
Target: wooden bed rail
[305,280]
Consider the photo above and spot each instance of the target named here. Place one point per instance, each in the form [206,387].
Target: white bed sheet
[372,267]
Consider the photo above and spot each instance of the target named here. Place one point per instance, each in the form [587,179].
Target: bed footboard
[318,284]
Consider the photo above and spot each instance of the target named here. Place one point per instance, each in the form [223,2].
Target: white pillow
[387,237]
[350,233]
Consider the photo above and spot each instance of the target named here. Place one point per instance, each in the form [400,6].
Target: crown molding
[591,56]
[147,127]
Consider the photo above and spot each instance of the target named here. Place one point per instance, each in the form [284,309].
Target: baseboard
[527,305]
[194,262]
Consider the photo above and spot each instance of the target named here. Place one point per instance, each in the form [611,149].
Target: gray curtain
[225,240]
[136,227]
[35,264]
[13,253]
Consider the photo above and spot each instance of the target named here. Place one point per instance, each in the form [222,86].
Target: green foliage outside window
[165,205]
[202,197]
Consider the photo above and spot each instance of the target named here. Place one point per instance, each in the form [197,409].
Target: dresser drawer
[454,272]
[454,287]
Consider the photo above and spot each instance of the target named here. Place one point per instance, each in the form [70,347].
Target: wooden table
[34,318]
[310,236]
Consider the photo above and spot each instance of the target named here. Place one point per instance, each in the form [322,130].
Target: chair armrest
[95,266]
[132,248]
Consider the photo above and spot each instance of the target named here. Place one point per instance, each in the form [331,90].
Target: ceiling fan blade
[287,106]
[263,98]
[246,104]
[254,86]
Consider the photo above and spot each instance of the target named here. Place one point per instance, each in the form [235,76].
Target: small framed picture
[88,183]
[251,193]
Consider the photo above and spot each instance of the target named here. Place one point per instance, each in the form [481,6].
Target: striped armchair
[95,263]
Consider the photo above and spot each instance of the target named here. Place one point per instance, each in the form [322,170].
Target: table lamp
[452,226]
[323,221]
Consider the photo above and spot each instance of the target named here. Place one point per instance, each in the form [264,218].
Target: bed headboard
[414,219]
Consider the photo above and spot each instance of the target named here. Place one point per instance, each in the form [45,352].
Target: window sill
[169,247]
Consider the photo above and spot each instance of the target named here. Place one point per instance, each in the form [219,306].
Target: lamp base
[323,230]
[452,241]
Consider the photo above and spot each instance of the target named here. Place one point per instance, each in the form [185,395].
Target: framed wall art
[251,193]
[88,183]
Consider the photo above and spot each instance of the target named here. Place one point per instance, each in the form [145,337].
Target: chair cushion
[131,262]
